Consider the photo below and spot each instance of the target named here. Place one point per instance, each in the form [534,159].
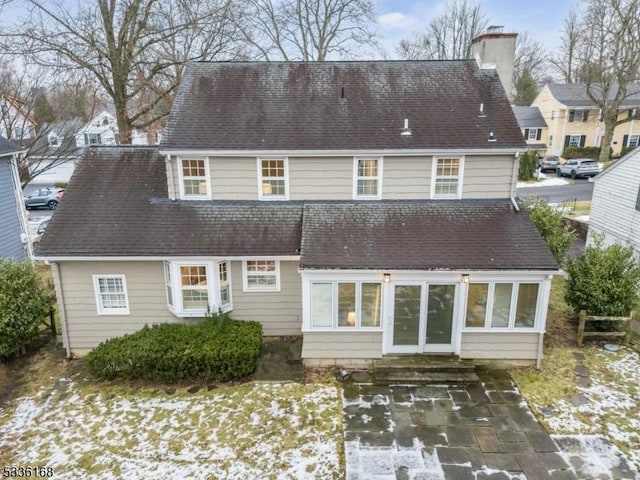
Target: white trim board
[344,153]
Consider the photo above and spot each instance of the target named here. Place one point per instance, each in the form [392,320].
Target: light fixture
[267,188]
[351,319]
[387,277]
[465,278]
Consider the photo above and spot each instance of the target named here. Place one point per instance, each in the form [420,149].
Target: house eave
[347,153]
[157,258]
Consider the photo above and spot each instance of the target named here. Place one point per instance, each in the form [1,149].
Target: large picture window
[368,178]
[348,305]
[261,275]
[447,178]
[111,294]
[273,179]
[194,178]
[494,305]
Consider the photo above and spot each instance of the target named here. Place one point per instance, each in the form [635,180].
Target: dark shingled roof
[65,131]
[575,95]
[339,106]
[116,205]
[7,147]
[427,234]
[529,117]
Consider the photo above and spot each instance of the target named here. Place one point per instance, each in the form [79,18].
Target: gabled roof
[65,131]
[632,156]
[529,117]
[8,148]
[116,205]
[422,235]
[575,95]
[261,106]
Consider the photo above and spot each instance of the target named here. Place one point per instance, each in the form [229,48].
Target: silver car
[578,167]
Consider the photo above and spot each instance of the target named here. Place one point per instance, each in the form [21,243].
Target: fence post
[627,337]
[52,322]
[581,323]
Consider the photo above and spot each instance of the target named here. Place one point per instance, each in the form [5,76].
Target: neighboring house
[574,120]
[615,208]
[366,206]
[101,130]
[55,152]
[15,120]
[534,128]
[13,234]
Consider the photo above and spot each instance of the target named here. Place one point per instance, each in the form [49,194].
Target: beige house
[365,206]
[575,121]
[534,129]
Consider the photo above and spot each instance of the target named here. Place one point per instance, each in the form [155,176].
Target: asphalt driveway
[481,430]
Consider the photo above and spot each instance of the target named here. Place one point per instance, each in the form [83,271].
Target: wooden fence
[584,318]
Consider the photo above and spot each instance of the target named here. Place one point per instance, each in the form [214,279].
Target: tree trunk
[124,125]
[609,127]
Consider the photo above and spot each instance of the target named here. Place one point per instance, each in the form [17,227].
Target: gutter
[57,282]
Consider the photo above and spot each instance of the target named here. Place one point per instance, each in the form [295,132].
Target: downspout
[170,184]
[57,282]
[22,211]
[514,181]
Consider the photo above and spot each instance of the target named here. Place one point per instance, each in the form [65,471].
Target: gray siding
[406,178]
[613,209]
[10,234]
[321,178]
[342,345]
[234,178]
[514,346]
[279,312]
[487,177]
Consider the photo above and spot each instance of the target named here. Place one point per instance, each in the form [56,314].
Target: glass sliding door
[440,306]
[407,307]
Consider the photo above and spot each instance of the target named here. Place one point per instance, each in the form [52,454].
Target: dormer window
[92,139]
[194,179]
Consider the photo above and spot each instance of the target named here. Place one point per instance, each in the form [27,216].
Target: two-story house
[615,209]
[15,119]
[575,120]
[13,233]
[534,129]
[366,206]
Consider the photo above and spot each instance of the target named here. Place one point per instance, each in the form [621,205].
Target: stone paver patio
[481,430]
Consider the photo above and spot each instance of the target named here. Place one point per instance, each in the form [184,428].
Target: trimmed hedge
[217,349]
[581,152]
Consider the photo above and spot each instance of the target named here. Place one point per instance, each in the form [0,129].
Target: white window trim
[98,295]
[225,306]
[245,278]
[271,198]
[213,288]
[533,131]
[575,135]
[637,137]
[379,177]
[434,170]
[207,174]
[334,306]
[575,111]
[511,328]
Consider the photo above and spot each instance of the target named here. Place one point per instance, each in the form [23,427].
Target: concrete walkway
[477,431]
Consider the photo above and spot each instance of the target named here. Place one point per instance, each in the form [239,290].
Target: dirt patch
[562,323]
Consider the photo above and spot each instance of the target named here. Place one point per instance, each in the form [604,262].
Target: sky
[543,19]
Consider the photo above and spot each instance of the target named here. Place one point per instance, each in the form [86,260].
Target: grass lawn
[605,405]
[84,430]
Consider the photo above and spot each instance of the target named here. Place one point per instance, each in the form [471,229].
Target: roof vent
[481,113]
[406,131]
[495,28]
[492,137]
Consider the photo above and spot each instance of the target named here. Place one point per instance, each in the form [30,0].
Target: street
[581,189]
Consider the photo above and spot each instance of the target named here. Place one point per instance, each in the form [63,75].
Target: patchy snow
[544,181]
[291,431]
[582,218]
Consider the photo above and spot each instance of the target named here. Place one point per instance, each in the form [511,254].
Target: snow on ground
[544,181]
[610,406]
[291,431]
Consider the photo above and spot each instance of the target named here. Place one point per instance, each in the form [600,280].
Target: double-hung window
[193,288]
[92,139]
[261,275]
[367,178]
[446,179]
[194,178]
[533,134]
[493,305]
[111,294]
[348,305]
[273,179]
[634,141]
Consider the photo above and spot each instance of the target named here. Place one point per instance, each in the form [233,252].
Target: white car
[578,167]
[42,227]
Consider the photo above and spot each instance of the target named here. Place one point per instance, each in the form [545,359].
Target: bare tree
[128,46]
[608,59]
[449,35]
[529,68]
[309,30]
[571,41]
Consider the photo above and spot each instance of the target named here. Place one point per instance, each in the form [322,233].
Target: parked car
[578,167]
[42,227]
[548,163]
[45,197]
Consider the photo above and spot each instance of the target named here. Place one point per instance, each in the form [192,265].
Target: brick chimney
[496,50]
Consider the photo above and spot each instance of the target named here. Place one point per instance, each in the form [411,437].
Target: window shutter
[567,139]
[583,140]
[526,134]
[572,114]
[585,115]
[625,141]
[539,136]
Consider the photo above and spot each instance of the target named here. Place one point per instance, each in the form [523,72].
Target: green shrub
[548,221]
[24,305]
[624,151]
[603,280]
[60,184]
[581,152]
[528,165]
[217,349]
